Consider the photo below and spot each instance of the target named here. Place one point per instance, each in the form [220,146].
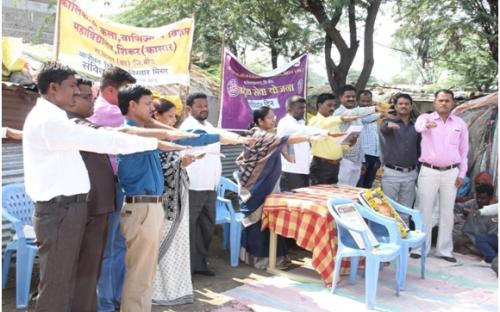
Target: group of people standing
[431,149]
[124,217]
[113,219]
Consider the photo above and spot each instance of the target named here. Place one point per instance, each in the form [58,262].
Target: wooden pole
[57,33]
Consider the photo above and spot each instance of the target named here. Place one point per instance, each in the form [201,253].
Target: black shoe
[449,259]
[206,272]
[415,256]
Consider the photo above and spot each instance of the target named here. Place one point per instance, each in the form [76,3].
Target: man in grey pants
[400,153]
[204,175]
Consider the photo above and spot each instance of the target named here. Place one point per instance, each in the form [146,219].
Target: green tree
[278,25]
[459,36]
[213,21]
[360,15]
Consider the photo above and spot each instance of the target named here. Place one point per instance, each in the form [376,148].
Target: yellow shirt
[328,148]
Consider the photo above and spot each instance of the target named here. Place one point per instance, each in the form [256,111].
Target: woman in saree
[172,284]
[259,173]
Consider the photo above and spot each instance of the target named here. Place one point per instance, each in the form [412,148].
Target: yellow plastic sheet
[12,49]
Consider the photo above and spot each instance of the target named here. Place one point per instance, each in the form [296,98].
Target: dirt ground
[205,288]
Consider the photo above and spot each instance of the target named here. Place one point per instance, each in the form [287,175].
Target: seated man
[487,242]
[467,220]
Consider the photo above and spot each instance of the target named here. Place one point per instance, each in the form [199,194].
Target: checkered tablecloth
[303,216]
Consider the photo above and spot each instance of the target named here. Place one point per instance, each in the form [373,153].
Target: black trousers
[323,172]
[372,164]
[89,263]
[59,228]
[201,226]
[290,181]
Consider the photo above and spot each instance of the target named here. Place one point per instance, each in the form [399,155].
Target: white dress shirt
[51,147]
[291,126]
[204,174]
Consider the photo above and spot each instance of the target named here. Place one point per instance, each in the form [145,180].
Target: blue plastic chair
[17,208]
[415,239]
[384,252]
[225,214]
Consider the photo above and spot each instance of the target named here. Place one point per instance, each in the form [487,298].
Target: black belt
[439,168]
[143,199]
[61,199]
[330,161]
[402,169]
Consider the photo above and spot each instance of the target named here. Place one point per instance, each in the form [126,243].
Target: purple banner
[243,91]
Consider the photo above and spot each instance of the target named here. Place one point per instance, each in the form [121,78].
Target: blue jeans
[110,285]
[487,244]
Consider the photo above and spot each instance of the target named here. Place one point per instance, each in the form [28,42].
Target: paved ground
[206,288]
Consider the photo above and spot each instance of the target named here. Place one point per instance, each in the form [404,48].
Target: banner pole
[184,90]
[221,80]
[191,54]
[56,30]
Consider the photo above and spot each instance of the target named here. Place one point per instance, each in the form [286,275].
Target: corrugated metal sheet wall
[12,172]
[228,163]
[16,104]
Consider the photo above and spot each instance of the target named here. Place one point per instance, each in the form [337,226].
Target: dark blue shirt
[140,173]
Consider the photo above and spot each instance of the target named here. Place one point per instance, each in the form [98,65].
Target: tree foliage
[277,25]
[457,36]
[360,15]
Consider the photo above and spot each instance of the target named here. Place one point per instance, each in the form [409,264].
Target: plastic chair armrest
[18,225]
[415,214]
[228,204]
[231,186]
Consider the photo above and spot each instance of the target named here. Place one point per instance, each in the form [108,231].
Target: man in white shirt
[296,174]
[57,180]
[204,175]
[350,165]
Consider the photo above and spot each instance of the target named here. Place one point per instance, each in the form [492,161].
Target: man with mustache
[350,165]
[204,175]
[369,143]
[400,152]
[328,153]
[444,146]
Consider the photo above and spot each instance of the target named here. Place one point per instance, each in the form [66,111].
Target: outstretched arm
[294,139]
[227,137]
[9,133]
[161,134]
